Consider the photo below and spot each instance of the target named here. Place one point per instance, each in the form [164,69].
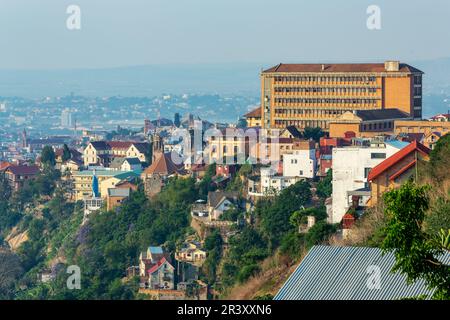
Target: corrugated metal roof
[343,273]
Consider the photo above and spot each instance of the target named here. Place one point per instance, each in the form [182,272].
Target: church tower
[157,146]
[24,139]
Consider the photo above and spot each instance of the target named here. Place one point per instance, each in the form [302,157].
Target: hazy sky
[33,33]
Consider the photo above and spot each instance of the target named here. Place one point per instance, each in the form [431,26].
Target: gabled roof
[343,273]
[100,145]
[216,197]
[4,165]
[294,131]
[163,165]
[436,133]
[414,136]
[255,113]
[23,170]
[142,147]
[115,145]
[124,145]
[396,157]
[157,265]
[132,160]
[338,68]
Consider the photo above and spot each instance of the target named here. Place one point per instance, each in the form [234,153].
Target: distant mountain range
[149,80]
[153,80]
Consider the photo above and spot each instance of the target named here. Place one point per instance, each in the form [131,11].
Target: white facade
[270,183]
[220,209]
[66,118]
[302,163]
[351,166]
[127,166]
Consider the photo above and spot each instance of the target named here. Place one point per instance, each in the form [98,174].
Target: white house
[221,201]
[351,166]
[131,164]
[272,183]
[302,163]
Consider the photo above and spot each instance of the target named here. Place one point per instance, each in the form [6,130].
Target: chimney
[392,65]
[323,67]
[311,221]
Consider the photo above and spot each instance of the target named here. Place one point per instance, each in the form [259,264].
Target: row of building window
[326,90]
[310,112]
[224,149]
[323,100]
[281,124]
[377,126]
[324,79]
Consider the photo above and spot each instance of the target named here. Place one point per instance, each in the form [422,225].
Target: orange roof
[396,157]
[338,68]
[255,113]
[4,165]
[163,165]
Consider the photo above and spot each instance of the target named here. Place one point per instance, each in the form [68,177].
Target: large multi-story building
[311,95]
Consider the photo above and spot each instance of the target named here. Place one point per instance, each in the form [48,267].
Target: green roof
[108,173]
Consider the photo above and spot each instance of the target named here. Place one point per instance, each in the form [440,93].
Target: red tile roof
[255,113]
[338,68]
[163,165]
[23,170]
[156,266]
[395,158]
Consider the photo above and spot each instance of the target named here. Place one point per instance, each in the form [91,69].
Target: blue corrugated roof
[156,250]
[397,144]
[343,273]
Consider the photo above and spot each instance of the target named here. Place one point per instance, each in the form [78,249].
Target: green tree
[5,188]
[275,214]
[319,232]
[416,252]
[440,159]
[48,156]
[66,153]
[10,271]
[314,133]
[325,186]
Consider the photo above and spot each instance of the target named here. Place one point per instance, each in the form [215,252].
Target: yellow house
[396,169]
[106,179]
[253,118]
